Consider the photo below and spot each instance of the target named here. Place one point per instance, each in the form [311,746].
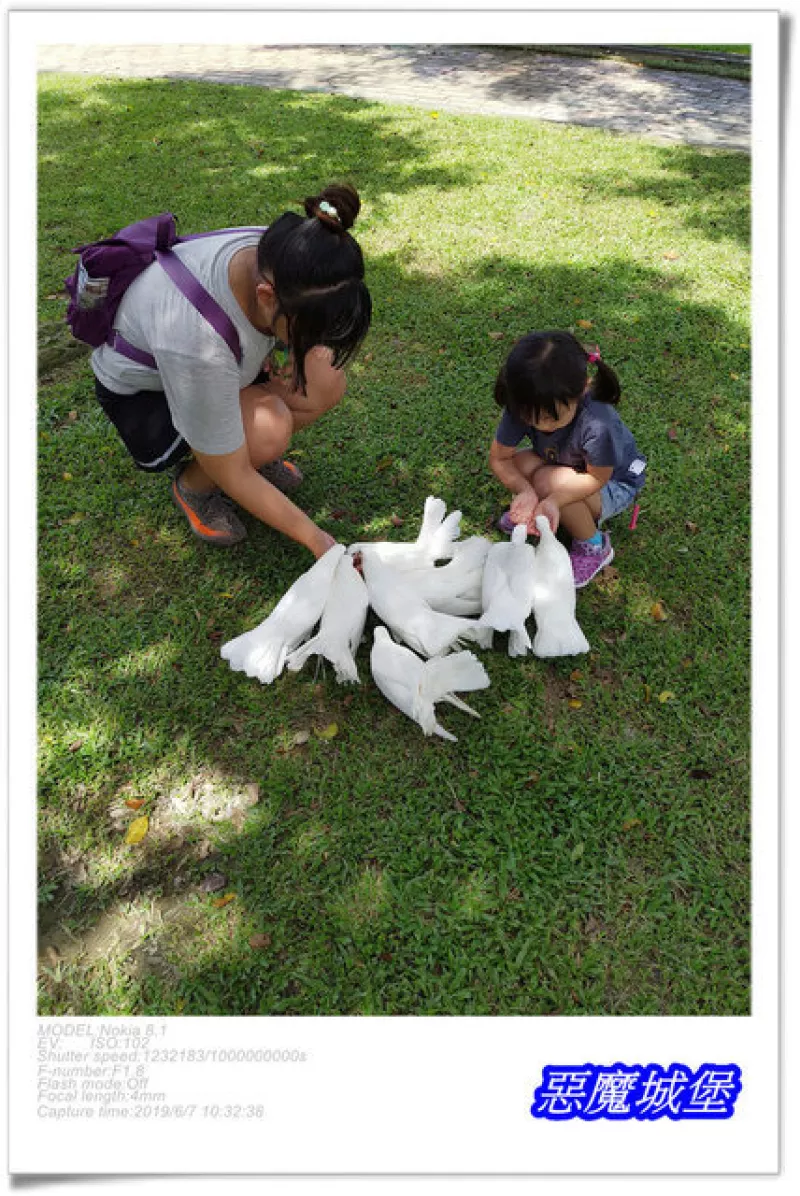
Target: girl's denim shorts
[615,497]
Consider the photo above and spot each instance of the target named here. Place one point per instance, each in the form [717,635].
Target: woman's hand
[279,365]
[523,506]
[550,509]
[322,543]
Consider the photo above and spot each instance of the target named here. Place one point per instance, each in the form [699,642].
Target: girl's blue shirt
[596,436]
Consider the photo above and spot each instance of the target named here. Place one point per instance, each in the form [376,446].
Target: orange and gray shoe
[284,475]
[210,516]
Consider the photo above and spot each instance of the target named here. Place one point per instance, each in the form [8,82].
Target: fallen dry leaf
[648,693]
[396,521]
[293,741]
[137,829]
[665,695]
[260,941]
[220,901]
[671,255]
[585,323]
[328,732]
[658,613]
[383,463]
[630,823]
[575,675]
[496,336]
[692,527]
[134,803]
[575,703]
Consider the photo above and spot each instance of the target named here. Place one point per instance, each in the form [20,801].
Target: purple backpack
[107,268]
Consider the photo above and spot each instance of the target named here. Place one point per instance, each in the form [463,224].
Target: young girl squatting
[583,467]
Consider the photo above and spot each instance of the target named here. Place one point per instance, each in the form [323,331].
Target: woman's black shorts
[145,426]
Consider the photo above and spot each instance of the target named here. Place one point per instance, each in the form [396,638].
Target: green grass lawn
[584,848]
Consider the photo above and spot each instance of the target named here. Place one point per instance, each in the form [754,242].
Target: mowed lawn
[584,847]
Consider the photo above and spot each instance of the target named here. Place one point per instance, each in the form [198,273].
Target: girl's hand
[549,508]
[524,506]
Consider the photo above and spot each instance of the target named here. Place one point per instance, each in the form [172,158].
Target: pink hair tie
[594,357]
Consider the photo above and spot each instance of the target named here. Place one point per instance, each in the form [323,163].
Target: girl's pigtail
[606,388]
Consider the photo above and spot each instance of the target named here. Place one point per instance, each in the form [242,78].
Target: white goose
[508,582]
[341,627]
[414,686]
[557,629]
[262,652]
[395,600]
[454,588]
[434,542]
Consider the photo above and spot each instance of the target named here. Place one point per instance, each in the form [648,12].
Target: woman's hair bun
[344,201]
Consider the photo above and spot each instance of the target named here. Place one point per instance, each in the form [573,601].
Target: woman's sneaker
[587,560]
[284,475]
[210,516]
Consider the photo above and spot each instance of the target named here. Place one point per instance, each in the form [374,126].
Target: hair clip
[328,209]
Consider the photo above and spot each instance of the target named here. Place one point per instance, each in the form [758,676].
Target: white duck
[262,652]
[341,627]
[414,686]
[395,600]
[557,630]
[454,588]
[434,542]
[508,585]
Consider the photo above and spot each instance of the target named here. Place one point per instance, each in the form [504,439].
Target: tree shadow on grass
[385,873]
[717,181]
[151,145]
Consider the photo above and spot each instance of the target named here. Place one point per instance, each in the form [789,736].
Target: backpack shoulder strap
[189,286]
[199,297]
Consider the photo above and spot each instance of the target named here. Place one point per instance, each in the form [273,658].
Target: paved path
[666,106]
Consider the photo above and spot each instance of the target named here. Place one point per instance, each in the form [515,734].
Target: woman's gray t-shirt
[596,436]
[196,369]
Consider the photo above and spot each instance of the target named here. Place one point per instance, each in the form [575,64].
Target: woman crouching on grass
[300,282]
[583,466]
